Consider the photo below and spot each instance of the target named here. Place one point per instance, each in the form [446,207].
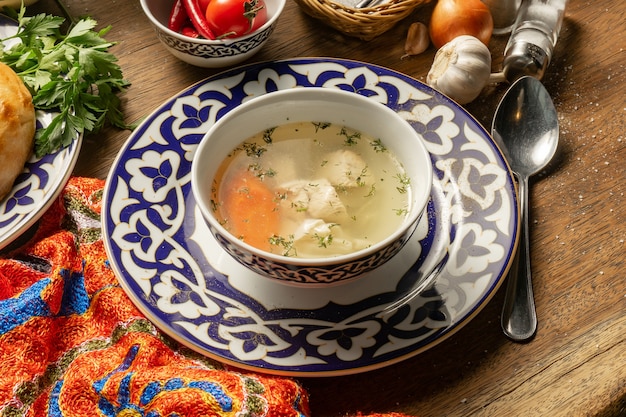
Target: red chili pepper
[194,11]
[190,31]
[178,16]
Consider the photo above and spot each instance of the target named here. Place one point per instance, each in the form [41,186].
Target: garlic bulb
[461,69]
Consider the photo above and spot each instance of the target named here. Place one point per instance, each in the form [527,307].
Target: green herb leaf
[286,244]
[73,76]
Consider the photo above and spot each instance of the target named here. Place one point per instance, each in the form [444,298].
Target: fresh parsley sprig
[73,75]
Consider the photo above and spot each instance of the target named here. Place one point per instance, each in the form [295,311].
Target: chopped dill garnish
[267,135]
[404,183]
[401,212]
[253,149]
[351,139]
[359,180]
[260,173]
[285,244]
[280,197]
[372,191]
[378,146]
[320,126]
[300,206]
[323,241]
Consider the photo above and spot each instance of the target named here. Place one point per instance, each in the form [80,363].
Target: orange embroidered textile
[73,344]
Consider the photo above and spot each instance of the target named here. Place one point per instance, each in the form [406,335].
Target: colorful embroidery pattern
[73,344]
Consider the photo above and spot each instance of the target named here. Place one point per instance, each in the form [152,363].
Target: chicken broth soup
[311,190]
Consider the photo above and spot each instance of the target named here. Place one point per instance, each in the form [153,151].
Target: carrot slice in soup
[251,210]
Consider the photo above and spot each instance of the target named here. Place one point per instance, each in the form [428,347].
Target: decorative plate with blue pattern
[41,181]
[177,274]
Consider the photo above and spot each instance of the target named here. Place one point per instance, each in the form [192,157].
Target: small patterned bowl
[205,52]
[16,4]
[305,105]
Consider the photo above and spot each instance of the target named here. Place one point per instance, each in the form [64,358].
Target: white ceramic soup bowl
[313,105]
[208,53]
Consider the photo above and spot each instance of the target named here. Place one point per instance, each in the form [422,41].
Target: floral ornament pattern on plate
[179,276]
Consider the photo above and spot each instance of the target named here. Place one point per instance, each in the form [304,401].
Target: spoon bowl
[526,128]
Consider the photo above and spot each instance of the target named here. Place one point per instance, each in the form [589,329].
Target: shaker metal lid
[524,58]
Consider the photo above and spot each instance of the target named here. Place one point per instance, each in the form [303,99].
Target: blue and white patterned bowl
[205,52]
[16,4]
[302,105]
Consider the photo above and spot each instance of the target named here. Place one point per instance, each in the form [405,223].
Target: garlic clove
[417,39]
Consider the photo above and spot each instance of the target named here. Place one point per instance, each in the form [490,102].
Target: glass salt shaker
[503,13]
[533,38]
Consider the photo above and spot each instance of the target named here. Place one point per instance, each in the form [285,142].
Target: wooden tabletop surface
[576,364]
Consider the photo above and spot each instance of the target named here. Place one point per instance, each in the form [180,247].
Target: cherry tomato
[234,18]
[204,4]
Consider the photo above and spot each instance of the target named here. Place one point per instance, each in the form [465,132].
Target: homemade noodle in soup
[311,190]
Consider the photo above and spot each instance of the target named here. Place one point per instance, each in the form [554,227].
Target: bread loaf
[17,127]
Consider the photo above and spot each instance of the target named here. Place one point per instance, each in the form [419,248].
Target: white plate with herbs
[42,180]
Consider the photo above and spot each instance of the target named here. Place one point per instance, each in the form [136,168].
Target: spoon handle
[519,319]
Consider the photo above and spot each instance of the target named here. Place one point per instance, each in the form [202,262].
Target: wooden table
[576,364]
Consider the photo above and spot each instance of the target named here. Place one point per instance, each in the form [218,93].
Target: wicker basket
[365,23]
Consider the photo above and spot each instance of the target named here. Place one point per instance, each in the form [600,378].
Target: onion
[453,18]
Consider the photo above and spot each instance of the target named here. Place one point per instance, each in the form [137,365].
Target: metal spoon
[526,127]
